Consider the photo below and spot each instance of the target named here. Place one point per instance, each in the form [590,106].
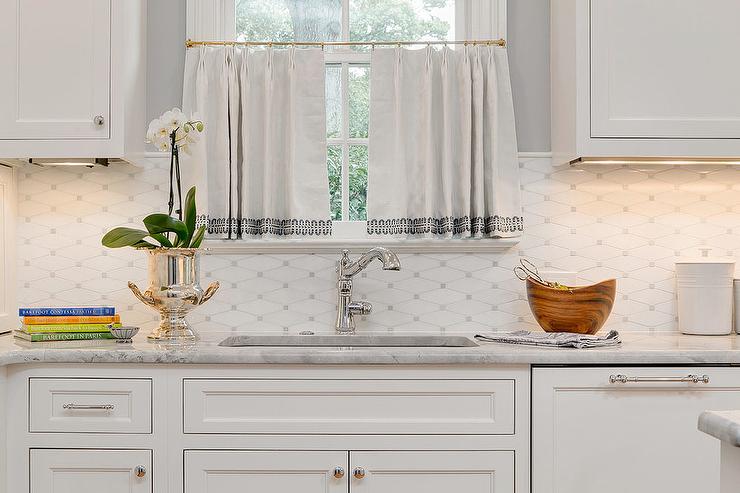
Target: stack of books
[67,324]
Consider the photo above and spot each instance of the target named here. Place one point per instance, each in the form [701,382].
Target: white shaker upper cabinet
[61,55]
[636,78]
[74,78]
[665,69]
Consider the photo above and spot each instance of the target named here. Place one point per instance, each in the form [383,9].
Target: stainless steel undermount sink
[348,341]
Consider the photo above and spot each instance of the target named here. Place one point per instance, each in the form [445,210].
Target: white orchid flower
[159,132]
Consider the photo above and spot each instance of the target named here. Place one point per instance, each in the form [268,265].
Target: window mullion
[345,20]
[345,143]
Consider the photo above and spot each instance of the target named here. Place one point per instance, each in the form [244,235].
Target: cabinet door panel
[592,435]
[664,68]
[61,78]
[90,471]
[433,472]
[235,471]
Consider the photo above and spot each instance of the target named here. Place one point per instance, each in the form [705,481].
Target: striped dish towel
[553,339]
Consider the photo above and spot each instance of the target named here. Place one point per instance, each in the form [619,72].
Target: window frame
[474,19]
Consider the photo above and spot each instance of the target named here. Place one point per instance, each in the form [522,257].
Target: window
[347,68]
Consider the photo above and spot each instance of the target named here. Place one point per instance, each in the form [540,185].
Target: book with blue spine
[67,312]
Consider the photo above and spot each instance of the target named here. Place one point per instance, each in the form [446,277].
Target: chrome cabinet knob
[339,472]
[359,472]
[140,471]
[99,120]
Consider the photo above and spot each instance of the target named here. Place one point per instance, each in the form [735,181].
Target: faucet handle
[360,307]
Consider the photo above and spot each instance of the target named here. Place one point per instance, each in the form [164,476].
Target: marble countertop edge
[636,349]
[723,425]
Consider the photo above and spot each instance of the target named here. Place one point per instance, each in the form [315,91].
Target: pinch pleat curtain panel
[260,167]
[443,151]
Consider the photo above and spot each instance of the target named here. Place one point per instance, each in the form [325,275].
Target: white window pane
[359,100]
[401,20]
[288,20]
[358,183]
[333,101]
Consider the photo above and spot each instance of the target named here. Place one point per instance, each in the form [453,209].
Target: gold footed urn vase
[173,291]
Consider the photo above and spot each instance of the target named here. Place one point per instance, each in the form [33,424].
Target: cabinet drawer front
[90,405]
[349,406]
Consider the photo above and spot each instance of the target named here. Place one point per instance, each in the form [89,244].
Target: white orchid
[160,130]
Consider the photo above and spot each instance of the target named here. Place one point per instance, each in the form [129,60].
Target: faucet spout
[387,258]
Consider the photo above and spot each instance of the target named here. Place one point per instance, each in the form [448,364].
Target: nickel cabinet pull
[687,379]
[88,407]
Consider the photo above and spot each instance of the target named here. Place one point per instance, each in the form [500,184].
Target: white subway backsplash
[599,222]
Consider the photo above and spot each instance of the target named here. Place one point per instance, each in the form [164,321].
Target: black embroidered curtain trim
[490,225]
[236,228]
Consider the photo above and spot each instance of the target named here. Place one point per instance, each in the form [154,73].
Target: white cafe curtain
[260,167]
[443,151]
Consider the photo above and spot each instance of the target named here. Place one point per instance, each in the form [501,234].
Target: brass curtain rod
[488,42]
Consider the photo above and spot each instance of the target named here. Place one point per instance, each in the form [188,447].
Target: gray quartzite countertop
[724,425]
[637,348]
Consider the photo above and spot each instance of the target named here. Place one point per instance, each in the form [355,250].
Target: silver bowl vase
[174,290]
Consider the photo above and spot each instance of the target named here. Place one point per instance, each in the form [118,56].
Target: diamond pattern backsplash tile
[582,225]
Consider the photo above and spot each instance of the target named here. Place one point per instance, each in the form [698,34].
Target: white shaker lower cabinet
[90,471]
[432,472]
[234,471]
[227,471]
[613,430]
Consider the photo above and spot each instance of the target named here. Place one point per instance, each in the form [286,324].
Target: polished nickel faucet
[346,308]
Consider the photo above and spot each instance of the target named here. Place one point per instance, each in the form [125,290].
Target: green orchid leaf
[162,223]
[144,244]
[190,214]
[162,239]
[198,237]
[123,237]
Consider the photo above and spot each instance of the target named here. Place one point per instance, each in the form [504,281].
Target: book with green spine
[57,328]
[62,336]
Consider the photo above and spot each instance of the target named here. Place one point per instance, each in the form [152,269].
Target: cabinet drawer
[349,406]
[90,405]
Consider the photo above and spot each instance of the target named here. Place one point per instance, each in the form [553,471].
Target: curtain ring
[372,46]
[322,46]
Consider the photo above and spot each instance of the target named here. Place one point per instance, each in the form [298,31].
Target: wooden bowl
[582,309]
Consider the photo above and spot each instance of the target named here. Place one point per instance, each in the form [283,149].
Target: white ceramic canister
[705,295]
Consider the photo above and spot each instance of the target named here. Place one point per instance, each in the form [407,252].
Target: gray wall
[529,62]
[529,59]
[165,55]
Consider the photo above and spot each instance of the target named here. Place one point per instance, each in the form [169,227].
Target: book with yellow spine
[85,319]
[38,329]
